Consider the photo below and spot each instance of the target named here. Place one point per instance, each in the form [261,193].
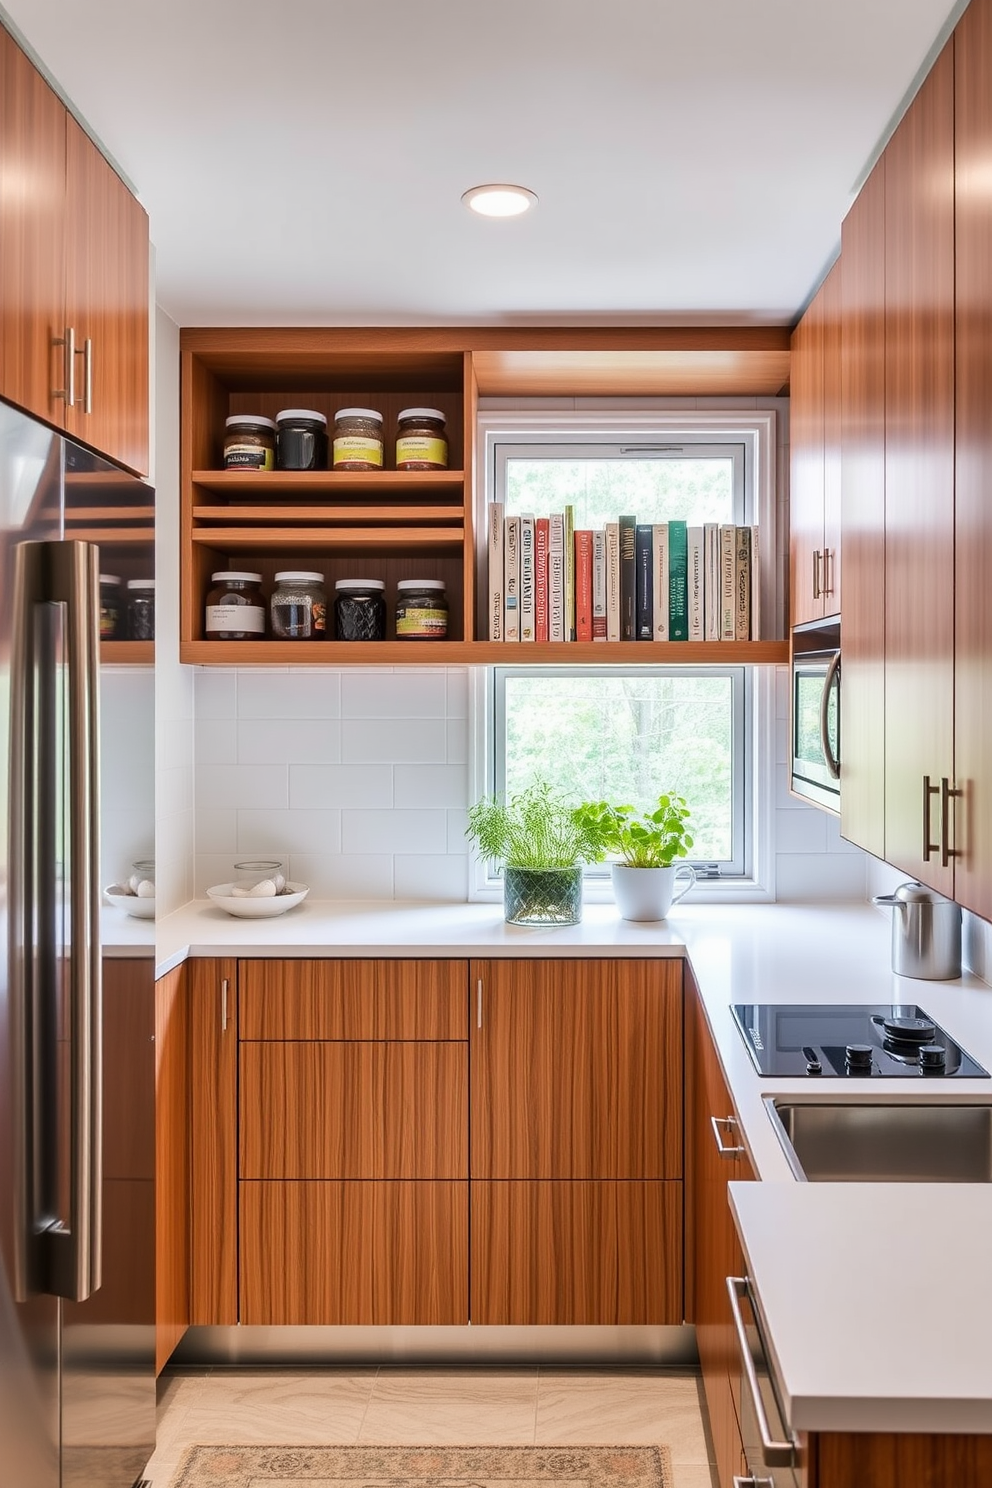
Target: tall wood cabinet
[73,263]
[814,494]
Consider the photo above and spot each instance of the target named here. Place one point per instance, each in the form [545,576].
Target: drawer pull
[478,1005]
[223,1006]
[753,1482]
[775,1453]
[716,1122]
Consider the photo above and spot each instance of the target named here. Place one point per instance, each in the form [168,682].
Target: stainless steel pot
[926,933]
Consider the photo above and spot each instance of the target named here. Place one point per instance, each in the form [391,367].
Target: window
[626,733]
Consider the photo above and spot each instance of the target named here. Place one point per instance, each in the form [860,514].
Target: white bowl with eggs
[140,905]
[261,901]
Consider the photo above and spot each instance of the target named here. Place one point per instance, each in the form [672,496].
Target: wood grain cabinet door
[32,228]
[806,435]
[576,1069]
[213,1040]
[107,304]
[353,999]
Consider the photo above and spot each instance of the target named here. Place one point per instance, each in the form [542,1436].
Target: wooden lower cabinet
[213,1040]
[882,1460]
[172,1158]
[354,1253]
[576,1252]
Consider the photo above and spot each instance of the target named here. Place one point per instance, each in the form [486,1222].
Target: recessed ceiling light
[499,200]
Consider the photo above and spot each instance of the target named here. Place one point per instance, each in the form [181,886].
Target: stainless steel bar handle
[947,795]
[75,580]
[775,1453]
[478,1004]
[223,1005]
[833,764]
[928,846]
[753,1482]
[87,356]
[817,555]
[68,341]
[828,571]
[716,1122]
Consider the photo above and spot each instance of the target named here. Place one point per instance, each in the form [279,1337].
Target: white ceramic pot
[649,893]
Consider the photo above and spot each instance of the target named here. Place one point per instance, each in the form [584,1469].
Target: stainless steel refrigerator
[77,1385]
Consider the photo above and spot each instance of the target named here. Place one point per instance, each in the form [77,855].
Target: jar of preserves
[421,443]
[111,612]
[360,610]
[298,606]
[141,609]
[301,439]
[357,439]
[235,609]
[421,610]
[249,442]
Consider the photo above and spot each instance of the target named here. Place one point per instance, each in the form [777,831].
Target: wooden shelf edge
[328,537]
[309,515]
[127,653]
[295,482]
[482,653]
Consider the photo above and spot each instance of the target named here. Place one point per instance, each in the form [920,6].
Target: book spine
[511,578]
[541,579]
[527,578]
[628,578]
[583,585]
[644,622]
[755,587]
[678,598]
[660,607]
[613,581]
[556,577]
[728,575]
[742,613]
[570,573]
[495,570]
[711,584]
[695,580]
[599,585]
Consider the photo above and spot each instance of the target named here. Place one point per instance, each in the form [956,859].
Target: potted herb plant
[542,842]
[646,845]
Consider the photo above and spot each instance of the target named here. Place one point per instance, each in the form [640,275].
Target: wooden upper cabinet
[576,1069]
[862,683]
[973,461]
[107,292]
[32,228]
[833,321]
[919,477]
[814,496]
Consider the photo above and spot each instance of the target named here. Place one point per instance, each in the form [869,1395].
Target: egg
[264,890]
[145,889]
[238,893]
[132,884]
[280,882]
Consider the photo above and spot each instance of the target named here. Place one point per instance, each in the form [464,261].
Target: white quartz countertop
[124,937]
[819,1255]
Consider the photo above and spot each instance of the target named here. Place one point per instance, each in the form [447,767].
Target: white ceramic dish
[139,909]
[258,909]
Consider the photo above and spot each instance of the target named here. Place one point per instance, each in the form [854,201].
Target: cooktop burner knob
[858,1058]
[932,1056]
[813,1065]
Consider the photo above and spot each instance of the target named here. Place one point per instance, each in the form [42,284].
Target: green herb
[535,829]
[651,839]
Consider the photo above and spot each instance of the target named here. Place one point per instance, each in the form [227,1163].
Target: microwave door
[816,729]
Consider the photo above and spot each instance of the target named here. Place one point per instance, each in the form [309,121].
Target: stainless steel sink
[879,1142]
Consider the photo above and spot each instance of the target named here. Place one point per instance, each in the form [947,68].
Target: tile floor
[426,1407]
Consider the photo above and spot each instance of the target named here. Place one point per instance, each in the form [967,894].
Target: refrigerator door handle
[60,1258]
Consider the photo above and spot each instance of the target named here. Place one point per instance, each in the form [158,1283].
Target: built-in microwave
[815,712]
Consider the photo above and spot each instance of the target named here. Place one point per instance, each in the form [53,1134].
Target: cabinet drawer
[354,1253]
[354,1110]
[353,999]
[576,1253]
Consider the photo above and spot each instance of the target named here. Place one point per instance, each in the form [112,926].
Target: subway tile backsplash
[359,782]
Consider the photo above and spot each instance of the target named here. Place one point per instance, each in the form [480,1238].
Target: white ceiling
[302,160]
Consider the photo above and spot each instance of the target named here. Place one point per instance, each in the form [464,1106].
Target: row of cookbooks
[627,581]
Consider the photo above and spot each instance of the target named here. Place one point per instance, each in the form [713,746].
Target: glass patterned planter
[542,896]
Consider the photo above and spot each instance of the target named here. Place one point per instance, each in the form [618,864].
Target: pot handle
[888,901]
[684,868]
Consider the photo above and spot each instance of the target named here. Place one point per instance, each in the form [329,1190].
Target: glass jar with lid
[235,609]
[421,610]
[111,610]
[141,609]
[360,610]
[298,606]
[249,442]
[301,439]
[421,443]
[357,439]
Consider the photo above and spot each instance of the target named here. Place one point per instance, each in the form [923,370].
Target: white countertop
[819,1255]
[122,936]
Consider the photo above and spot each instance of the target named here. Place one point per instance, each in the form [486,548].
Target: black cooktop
[860,1041]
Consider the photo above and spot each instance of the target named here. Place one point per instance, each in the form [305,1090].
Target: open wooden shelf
[245,538]
[262,484]
[127,653]
[483,653]
[252,516]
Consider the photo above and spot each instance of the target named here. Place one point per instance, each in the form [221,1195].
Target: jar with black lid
[111,612]
[421,443]
[301,439]
[360,610]
[141,609]
[249,442]
[235,609]
[357,439]
[421,610]
[298,606]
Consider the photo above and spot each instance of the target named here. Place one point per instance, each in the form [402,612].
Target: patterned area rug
[425,1467]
